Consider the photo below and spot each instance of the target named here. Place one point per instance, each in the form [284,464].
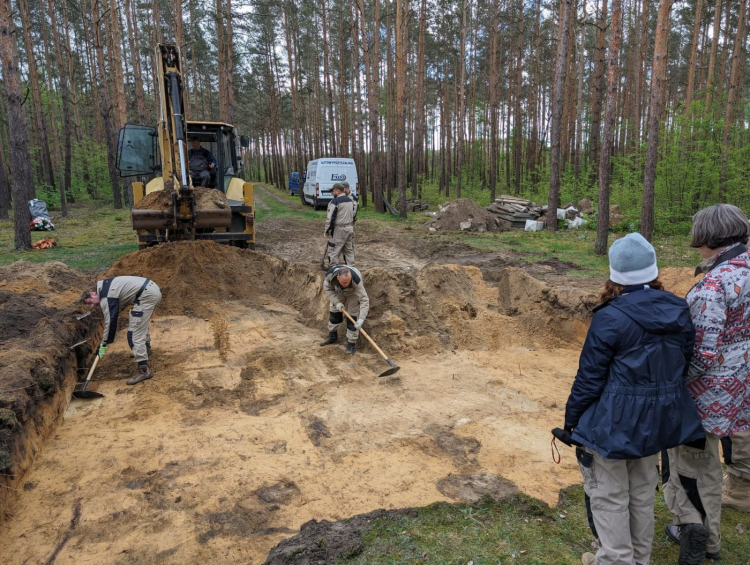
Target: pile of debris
[465,215]
[415,205]
[515,210]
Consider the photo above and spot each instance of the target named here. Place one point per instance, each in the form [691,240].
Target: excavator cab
[164,151]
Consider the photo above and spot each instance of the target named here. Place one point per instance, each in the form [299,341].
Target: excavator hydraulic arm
[182,221]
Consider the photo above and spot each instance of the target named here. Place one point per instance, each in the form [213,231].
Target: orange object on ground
[45,244]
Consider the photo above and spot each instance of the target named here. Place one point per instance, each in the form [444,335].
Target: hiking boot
[736,493]
[143,374]
[350,349]
[333,337]
[692,539]
[588,559]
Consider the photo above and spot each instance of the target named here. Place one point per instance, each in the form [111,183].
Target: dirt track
[249,429]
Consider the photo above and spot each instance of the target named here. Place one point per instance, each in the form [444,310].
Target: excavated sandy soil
[249,428]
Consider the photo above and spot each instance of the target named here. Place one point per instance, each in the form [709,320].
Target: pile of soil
[678,280]
[465,215]
[195,276]
[444,305]
[37,326]
[205,199]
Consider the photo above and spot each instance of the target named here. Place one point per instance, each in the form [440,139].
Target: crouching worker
[112,295]
[345,289]
[629,401]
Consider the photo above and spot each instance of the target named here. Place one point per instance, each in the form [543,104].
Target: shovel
[84,394]
[324,259]
[388,372]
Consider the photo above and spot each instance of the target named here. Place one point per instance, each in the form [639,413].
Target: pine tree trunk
[327,77]
[105,107]
[711,79]
[40,127]
[558,96]
[461,103]
[693,55]
[4,181]
[534,141]
[402,38]
[608,135]
[420,126]
[732,95]
[372,61]
[179,29]
[118,90]
[656,108]
[20,159]
[494,102]
[67,133]
[294,87]
[517,142]
[229,63]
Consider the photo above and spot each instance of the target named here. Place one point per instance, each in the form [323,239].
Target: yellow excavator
[146,150]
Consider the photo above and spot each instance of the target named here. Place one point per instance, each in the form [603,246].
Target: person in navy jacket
[629,400]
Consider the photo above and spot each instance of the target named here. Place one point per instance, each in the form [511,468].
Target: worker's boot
[588,559]
[693,539]
[333,337]
[350,349]
[143,374]
[736,493]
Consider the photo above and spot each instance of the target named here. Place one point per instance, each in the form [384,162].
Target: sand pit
[37,367]
[250,429]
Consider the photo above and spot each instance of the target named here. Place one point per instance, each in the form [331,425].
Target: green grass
[89,239]
[569,246]
[520,530]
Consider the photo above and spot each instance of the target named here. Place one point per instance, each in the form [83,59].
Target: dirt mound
[321,543]
[194,277]
[465,215]
[678,280]
[205,199]
[37,326]
[541,308]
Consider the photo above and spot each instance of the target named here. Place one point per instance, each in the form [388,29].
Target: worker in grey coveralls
[344,288]
[340,227]
[355,201]
[112,295]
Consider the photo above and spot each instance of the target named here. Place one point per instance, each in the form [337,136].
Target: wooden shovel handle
[364,333]
[91,371]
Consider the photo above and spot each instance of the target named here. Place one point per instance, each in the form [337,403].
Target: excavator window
[136,151]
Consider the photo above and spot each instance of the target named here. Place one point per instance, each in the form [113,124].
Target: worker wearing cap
[340,227]
[344,288]
[114,294]
[353,198]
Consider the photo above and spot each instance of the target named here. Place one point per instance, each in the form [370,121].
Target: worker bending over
[112,295]
[344,288]
[340,227]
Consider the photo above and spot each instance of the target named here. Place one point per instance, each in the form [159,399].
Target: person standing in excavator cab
[114,294]
[202,163]
[340,227]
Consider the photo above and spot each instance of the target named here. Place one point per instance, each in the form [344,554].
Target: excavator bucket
[213,218]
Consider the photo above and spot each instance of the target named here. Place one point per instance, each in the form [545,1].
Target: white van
[322,174]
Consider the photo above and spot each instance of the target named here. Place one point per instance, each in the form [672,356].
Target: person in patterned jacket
[719,381]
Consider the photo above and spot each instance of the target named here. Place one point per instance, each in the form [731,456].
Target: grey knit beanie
[632,260]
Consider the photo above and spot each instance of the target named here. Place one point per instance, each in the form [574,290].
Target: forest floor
[249,429]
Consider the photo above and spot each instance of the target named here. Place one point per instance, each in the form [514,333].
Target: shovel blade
[87,394]
[392,371]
